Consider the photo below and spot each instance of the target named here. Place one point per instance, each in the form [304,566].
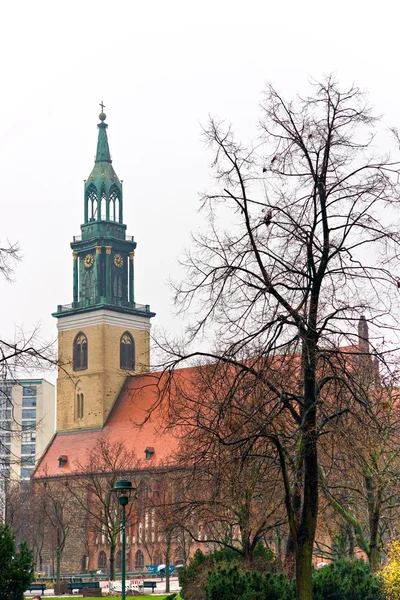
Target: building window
[28,449]
[80,352]
[118,560]
[79,406]
[29,413]
[28,425]
[139,560]
[29,390]
[26,472]
[28,402]
[127,352]
[102,560]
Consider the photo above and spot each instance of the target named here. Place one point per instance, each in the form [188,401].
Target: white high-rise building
[27,424]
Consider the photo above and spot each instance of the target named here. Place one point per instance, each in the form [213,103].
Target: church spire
[103,151]
[103,189]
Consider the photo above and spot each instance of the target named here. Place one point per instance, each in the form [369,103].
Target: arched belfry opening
[91,203]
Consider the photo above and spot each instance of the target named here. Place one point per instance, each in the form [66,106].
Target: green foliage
[227,583]
[346,580]
[262,553]
[194,577]
[16,567]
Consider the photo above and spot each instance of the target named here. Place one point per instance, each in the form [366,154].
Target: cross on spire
[102,106]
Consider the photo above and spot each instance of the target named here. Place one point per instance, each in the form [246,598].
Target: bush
[194,577]
[231,582]
[347,580]
[391,573]
[16,567]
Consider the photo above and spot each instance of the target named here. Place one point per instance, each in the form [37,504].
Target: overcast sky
[160,67]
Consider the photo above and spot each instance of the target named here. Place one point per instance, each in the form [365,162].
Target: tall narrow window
[114,199]
[79,406]
[118,560]
[80,352]
[103,200]
[102,560]
[127,352]
[91,199]
[139,560]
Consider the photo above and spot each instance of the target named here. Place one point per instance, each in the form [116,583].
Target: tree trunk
[58,572]
[112,561]
[305,534]
[304,571]
[167,553]
[290,558]
[374,504]
[374,554]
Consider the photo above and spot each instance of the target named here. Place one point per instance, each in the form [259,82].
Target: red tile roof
[129,421]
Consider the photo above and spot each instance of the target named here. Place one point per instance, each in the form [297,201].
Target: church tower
[103,336]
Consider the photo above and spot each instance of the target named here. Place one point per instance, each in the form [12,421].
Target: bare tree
[164,504]
[301,231]
[62,516]
[106,463]
[228,496]
[361,480]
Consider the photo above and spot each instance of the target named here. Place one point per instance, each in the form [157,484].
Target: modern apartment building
[27,423]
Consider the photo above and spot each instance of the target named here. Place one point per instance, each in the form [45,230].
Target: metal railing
[127,238]
[102,301]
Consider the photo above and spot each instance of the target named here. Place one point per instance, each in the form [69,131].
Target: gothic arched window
[118,560]
[114,201]
[80,352]
[102,203]
[102,560]
[79,406]
[139,560]
[91,199]
[127,352]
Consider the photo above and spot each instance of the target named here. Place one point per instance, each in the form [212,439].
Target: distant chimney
[363,338]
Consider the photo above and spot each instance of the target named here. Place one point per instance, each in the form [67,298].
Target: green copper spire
[103,255]
[103,189]
[103,151]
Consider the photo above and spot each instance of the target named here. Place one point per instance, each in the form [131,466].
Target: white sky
[161,67]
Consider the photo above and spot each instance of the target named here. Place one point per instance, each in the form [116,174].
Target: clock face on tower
[118,260]
[88,260]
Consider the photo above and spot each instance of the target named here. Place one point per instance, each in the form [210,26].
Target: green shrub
[346,580]
[231,582]
[16,567]
[194,577]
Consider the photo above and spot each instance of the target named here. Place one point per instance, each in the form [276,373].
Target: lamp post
[124,490]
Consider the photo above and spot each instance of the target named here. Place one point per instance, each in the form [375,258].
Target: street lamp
[124,490]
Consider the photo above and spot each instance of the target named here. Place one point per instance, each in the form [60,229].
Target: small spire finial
[102,115]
